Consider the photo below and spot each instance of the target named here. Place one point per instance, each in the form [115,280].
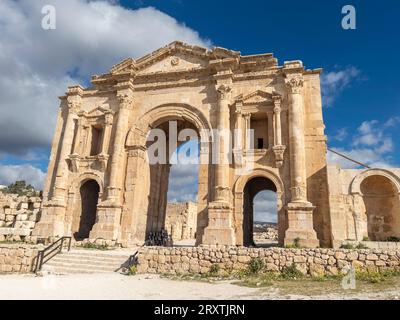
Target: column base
[52,222]
[107,226]
[300,221]
[219,230]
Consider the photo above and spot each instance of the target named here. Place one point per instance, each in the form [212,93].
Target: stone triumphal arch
[100,184]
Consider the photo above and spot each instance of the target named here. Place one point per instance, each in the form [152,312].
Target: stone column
[109,211]
[271,135]
[52,223]
[223,126]
[220,229]
[297,141]
[247,128]
[278,148]
[60,186]
[108,122]
[77,143]
[125,105]
[300,210]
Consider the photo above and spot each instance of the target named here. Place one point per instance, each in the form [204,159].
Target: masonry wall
[17,258]
[18,216]
[309,261]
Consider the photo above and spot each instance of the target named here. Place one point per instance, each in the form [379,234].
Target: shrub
[347,246]
[132,270]
[255,265]
[393,239]
[361,246]
[366,238]
[291,273]
[214,270]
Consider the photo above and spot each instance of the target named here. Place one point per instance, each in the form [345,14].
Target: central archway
[152,201]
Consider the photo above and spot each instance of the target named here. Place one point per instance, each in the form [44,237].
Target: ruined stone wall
[309,261]
[17,258]
[18,216]
[350,212]
[181,220]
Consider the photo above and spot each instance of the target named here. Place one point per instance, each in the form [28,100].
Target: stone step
[89,258]
[90,264]
[87,261]
[74,270]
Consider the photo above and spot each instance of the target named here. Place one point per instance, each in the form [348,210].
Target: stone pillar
[223,125]
[77,144]
[52,223]
[60,186]
[125,105]
[300,210]
[220,229]
[271,134]
[108,122]
[109,211]
[247,128]
[278,148]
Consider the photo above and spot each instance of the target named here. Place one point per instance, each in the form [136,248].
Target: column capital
[73,107]
[246,115]
[125,99]
[224,92]
[294,82]
[108,119]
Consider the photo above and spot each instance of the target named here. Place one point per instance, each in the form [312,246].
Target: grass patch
[94,246]
[376,276]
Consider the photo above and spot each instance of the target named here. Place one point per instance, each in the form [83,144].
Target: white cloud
[371,144]
[12,173]
[183,181]
[334,82]
[37,65]
[265,207]
[341,134]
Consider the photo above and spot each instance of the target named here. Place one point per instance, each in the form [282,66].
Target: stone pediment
[256,97]
[97,112]
[177,56]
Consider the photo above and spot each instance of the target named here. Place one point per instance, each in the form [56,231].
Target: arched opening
[260,212]
[174,184]
[382,208]
[89,194]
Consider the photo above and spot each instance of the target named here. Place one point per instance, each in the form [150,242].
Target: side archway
[377,204]
[246,187]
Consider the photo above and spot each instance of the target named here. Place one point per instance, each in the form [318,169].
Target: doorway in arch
[89,194]
[260,213]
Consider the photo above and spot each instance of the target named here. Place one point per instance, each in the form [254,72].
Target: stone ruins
[18,216]
[181,220]
[101,186]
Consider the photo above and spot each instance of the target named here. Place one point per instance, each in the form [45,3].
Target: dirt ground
[116,286]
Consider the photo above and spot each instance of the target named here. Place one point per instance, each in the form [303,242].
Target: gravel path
[116,286]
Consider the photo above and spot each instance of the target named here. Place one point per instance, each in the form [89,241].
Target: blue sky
[360,83]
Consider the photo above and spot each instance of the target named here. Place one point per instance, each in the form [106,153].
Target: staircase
[87,261]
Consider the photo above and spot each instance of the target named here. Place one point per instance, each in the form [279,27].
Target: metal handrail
[54,247]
